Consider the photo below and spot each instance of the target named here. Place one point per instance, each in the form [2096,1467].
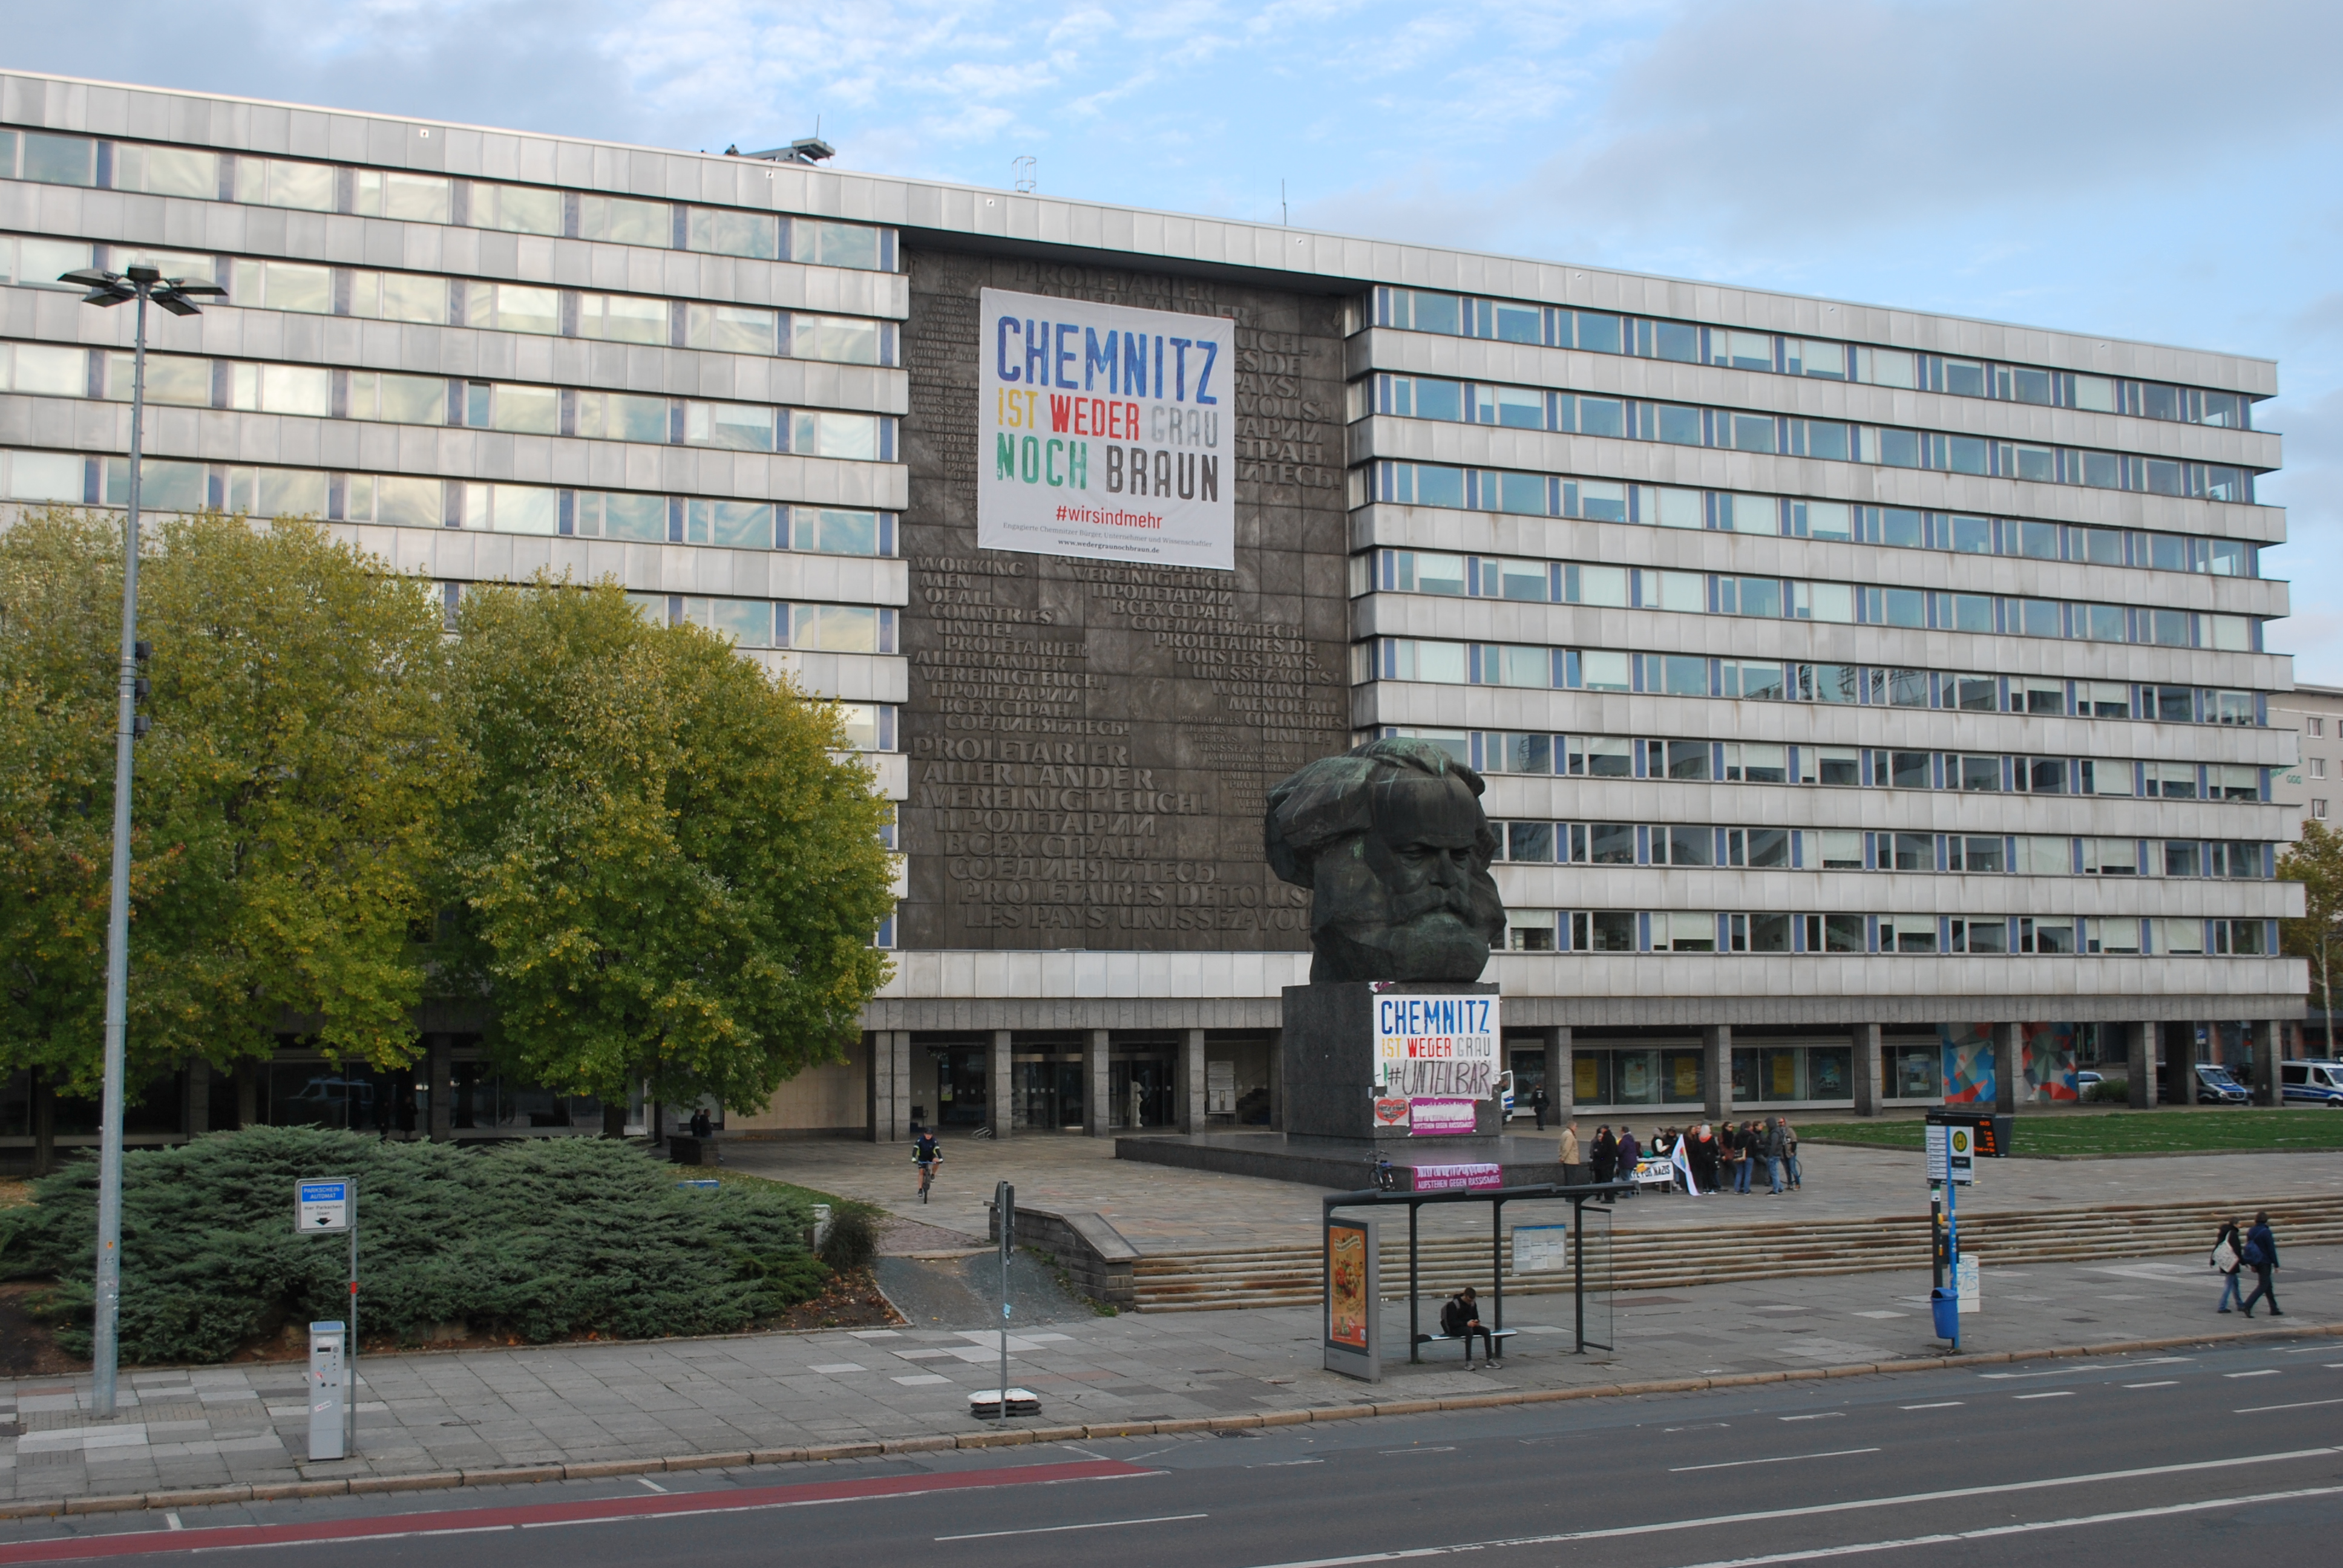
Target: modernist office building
[1867,700]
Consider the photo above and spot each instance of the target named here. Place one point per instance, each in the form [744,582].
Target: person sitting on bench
[1461,1318]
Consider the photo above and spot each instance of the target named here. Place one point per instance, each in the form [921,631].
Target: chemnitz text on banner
[1107,430]
[1436,1046]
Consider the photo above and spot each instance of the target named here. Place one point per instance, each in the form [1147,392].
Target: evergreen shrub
[531,1240]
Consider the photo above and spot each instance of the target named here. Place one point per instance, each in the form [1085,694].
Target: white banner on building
[1436,1046]
[1105,431]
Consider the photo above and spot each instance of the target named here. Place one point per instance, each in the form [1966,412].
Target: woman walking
[2228,1259]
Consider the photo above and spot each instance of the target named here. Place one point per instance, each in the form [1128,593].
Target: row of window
[432,300]
[414,198]
[1723,931]
[1604,332]
[1779,598]
[1681,425]
[407,501]
[1849,850]
[1576,755]
[1669,506]
[1768,763]
[1530,495]
[767,623]
[1766,680]
[317,392]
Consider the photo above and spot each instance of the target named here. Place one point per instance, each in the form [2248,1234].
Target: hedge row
[537,1241]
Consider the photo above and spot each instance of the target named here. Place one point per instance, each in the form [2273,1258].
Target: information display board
[1105,432]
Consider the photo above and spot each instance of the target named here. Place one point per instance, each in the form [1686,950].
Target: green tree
[671,868]
[285,819]
[2316,861]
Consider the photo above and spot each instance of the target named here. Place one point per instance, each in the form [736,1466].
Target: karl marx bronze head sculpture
[1391,840]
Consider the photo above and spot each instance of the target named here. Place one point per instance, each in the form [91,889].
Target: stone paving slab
[1162,1210]
[675,1404]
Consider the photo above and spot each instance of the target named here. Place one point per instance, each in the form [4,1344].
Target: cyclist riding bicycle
[927,1154]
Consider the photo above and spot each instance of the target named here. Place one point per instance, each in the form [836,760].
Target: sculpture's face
[1410,899]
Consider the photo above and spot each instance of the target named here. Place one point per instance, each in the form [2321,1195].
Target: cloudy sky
[2152,168]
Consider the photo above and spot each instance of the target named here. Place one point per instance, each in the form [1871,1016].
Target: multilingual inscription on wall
[1090,741]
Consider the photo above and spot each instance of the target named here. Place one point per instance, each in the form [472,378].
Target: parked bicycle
[1384,1173]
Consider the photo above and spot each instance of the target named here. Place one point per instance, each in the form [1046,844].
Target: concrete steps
[1681,1257]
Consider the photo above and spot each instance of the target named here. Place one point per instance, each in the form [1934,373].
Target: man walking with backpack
[2260,1255]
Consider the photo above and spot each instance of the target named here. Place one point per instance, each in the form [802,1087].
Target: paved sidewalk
[1159,1209]
[423,1418]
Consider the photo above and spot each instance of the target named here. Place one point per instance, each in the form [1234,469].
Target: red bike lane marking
[471,1520]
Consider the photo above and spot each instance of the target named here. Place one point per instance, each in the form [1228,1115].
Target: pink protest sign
[1458,1178]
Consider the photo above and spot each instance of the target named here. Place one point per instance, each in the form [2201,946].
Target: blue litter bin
[1946,1307]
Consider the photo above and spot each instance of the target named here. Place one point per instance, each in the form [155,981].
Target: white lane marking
[2265,1372]
[1776,1459]
[1061,1529]
[1818,1415]
[655,1486]
[1443,1448]
[2050,1393]
[1813,1510]
[1940,1405]
[173,1521]
[2167,1383]
[1283,1464]
[1993,1531]
[2306,1404]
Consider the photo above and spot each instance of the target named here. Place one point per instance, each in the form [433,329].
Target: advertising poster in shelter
[1348,1292]
[1105,432]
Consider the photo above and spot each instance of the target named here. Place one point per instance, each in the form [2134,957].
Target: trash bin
[1945,1305]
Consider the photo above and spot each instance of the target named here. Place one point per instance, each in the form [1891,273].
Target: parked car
[2085,1079]
[2315,1082]
[2216,1086]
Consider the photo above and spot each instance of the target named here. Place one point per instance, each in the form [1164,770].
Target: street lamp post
[110,288]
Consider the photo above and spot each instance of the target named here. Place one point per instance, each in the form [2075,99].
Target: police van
[2315,1082]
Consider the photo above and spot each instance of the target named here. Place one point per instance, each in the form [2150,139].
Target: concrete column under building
[1098,1084]
[1716,1071]
[2182,1053]
[195,1113]
[899,1056]
[1561,1077]
[1868,1063]
[882,1089]
[2008,1043]
[2140,1066]
[1000,1084]
[1190,1088]
[2268,1089]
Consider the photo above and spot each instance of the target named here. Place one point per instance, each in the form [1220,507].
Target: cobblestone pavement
[427,1414]
[1162,1210]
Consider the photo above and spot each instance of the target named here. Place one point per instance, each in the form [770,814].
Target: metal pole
[350,1389]
[1578,1265]
[1415,1291]
[1497,1256]
[107,1313]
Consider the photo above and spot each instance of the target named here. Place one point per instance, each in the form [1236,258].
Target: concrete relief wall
[1089,741]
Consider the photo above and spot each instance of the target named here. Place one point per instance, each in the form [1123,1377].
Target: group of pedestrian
[1723,1159]
[2234,1251]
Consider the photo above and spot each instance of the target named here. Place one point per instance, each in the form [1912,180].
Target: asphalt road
[2227,1455]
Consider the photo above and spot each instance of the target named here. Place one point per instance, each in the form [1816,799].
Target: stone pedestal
[1328,1053]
